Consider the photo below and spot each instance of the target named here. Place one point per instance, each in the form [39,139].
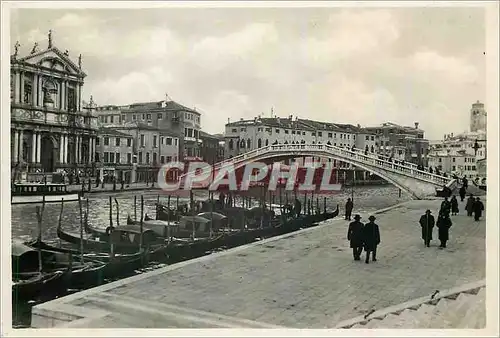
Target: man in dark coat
[348,209]
[462,193]
[355,237]
[454,205]
[298,207]
[371,238]
[443,223]
[478,208]
[470,204]
[445,206]
[427,223]
[465,182]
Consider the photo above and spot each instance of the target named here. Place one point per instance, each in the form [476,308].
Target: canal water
[24,222]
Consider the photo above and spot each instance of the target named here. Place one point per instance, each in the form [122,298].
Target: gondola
[159,227]
[24,289]
[25,264]
[125,240]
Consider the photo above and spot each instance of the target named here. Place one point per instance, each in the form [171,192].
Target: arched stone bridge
[417,183]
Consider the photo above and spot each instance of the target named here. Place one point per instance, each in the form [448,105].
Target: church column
[65,158]
[78,145]
[38,148]
[33,147]
[93,148]
[40,91]
[79,96]
[34,92]
[89,161]
[21,94]
[20,146]
[61,148]
[15,151]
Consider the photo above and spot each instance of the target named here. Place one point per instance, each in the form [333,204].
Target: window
[143,143]
[267,142]
[143,116]
[440,160]
[320,134]
[155,157]
[134,117]
[106,141]
[169,141]
[140,157]
[106,157]
[341,136]
[330,135]
[175,141]
[230,145]
[97,140]
[367,138]
[259,143]
[313,133]
[149,116]
[169,159]
[111,157]
[111,118]
[348,137]
[473,167]
[105,119]
[160,116]
[234,130]
[286,131]
[129,158]
[293,132]
[453,159]
[243,129]
[129,142]
[117,142]
[259,129]
[303,133]
[117,155]
[373,138]
[147,158]
[155,139]
[162,159]
[277,131]
[123,118]
[453,168]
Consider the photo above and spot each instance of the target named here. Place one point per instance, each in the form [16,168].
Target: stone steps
[467,310]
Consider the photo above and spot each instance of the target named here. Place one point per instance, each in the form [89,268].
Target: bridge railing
[409,169]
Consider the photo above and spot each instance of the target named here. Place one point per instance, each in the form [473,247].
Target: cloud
[362,66]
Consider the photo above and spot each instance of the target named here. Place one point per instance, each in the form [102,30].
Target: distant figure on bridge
[348,209]
[454,205]
[478,208]
[430,170]
[445,175]
[445,206]
[427,223]
[355,237]
[298,207]
[465,182]
[443,223]
[462,193]
[470,205]
[371,238]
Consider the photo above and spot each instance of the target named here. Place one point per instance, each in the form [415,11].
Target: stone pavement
[304,280]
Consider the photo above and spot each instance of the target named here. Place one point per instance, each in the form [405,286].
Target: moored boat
[26,193]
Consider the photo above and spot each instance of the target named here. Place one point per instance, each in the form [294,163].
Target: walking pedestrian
[445,206]
[355,237]
[462,193]
[427,223]
[470,204]
[348,209]
[454,205]
[478,208]
[371,238]
[443,224]
[465,182]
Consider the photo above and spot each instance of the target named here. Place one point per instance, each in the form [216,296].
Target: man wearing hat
[371,238]
[427,223]
[355,237]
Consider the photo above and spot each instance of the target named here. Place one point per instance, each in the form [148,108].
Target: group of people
[443,223]
[364,236]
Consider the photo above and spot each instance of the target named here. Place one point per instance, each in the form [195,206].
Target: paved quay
[306,279]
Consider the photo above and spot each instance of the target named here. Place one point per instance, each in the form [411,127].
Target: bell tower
[477,117]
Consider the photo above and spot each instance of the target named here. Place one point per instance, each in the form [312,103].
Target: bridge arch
[417,183]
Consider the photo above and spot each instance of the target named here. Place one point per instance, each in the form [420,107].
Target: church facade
[50,130]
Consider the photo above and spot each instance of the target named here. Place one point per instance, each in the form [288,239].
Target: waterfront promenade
[306,279]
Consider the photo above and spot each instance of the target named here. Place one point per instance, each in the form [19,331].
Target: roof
[207,135]
[56,51]
[296,123]
[169,105]
[113,132]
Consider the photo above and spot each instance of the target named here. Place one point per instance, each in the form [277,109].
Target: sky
[344,65]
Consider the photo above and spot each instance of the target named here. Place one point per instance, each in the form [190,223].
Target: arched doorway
[48,154]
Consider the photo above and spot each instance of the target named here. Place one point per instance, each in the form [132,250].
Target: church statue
[66,52]
[16,48]
[50,38]
[80,61]
[35,47]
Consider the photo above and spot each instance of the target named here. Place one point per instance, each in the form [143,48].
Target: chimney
[290,117]
[416,125]
[451,134]
[228,120]
[241,118]
[277,119]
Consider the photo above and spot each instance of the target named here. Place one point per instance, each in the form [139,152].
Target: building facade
[212,148]
[50,129]
[140,150]
[170,117]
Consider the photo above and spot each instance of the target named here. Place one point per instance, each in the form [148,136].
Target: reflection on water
[24,223]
